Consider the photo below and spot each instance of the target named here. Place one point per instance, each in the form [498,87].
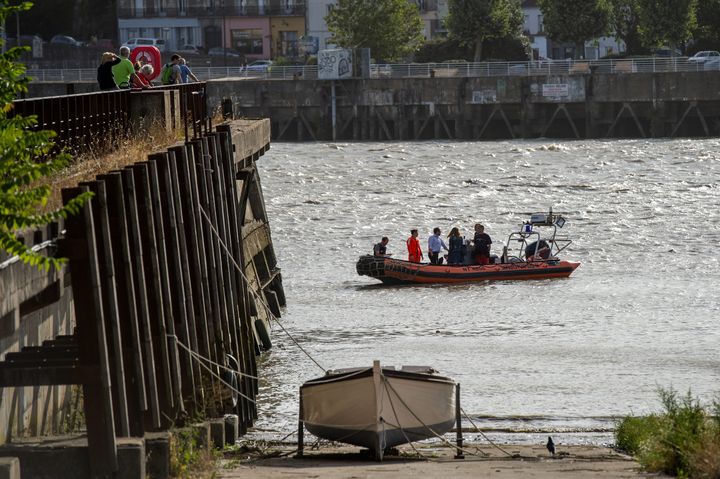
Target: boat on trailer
[378,407]
[530,253]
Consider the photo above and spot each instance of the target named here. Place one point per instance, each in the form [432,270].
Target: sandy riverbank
[486,461]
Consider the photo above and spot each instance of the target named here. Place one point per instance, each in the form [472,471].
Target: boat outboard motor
[543,249]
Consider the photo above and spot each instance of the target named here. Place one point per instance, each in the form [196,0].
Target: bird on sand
[550,446]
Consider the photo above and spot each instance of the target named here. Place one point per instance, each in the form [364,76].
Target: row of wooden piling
[162,304]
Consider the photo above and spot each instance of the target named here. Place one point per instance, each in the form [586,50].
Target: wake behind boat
[378,408]
[531,253]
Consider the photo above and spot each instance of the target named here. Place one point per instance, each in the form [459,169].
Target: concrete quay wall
[637,105]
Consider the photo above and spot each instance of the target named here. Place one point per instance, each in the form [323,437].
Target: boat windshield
[537,240]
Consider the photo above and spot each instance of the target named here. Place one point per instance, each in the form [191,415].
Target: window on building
[288,44]
[247,41]
[541,26]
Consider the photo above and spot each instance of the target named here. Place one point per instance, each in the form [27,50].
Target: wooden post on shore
[458,425]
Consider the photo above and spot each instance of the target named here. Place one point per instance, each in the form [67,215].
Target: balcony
[276,9]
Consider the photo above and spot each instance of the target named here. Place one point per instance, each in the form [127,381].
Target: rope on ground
[257,295]
[209,369]
[477,429]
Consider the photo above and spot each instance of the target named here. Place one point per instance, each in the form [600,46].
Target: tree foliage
[576,21]
[707,33]
[79,18]
[666,22]
[515,48]
[391,29]
[624,24]
[474,22]
[24,160]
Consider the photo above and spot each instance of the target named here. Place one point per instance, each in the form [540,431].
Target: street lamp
[224,47]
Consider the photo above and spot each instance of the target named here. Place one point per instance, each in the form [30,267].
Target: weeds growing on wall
[682,440]
[189,458]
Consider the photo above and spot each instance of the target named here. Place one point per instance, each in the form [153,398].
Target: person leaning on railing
[104,72]
[142,75]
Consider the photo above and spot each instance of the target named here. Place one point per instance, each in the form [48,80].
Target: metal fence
[414,70]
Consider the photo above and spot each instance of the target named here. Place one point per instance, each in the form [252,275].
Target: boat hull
[393,271]
[378,409]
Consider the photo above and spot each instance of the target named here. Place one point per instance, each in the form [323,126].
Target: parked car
[220,52]
[150,42]
[190,50]
[65,40]
[704,56]
[666,52]
[712,65]
[258,66]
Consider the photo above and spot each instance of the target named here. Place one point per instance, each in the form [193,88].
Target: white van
[140,42]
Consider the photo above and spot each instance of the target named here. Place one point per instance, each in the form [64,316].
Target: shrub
[632,432]
[684,440]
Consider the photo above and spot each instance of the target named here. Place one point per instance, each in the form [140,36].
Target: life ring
[231,377]
[263,334]
[148,55]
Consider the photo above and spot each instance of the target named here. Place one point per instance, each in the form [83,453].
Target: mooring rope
[208,360]
[257,295]
[209,369]
[443,439]
[477,429]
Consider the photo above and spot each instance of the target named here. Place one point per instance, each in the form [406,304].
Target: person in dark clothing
[456,249]
[380,249]
[104,72]
[482,244]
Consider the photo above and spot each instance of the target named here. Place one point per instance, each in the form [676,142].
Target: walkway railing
[91,121]
[414,70]
[82,122]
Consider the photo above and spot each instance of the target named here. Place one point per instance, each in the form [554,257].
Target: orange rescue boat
[528,254]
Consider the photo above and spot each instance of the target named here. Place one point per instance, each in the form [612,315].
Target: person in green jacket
[123,71]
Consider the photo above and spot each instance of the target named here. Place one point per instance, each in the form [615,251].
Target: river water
[562,355]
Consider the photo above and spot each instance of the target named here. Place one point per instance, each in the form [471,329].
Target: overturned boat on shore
[378,407]
[531,253]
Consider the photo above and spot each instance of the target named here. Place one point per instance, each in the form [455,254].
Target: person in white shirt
[435,245]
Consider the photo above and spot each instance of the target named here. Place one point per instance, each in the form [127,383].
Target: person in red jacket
[413,246]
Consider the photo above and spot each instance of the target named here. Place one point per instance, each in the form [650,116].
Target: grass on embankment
[683,440]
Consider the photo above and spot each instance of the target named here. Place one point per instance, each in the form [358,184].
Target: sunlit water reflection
[561,355]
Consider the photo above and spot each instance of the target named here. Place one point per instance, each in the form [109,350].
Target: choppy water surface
[560,355]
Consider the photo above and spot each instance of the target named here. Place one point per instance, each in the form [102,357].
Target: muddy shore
[481,460]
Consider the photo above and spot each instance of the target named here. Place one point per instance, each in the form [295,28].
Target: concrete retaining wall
[565,106]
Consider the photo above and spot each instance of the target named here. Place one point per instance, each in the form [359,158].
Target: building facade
[251,29]
[544,47]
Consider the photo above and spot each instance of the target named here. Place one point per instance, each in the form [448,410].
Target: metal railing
[414,70]
[83,122]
